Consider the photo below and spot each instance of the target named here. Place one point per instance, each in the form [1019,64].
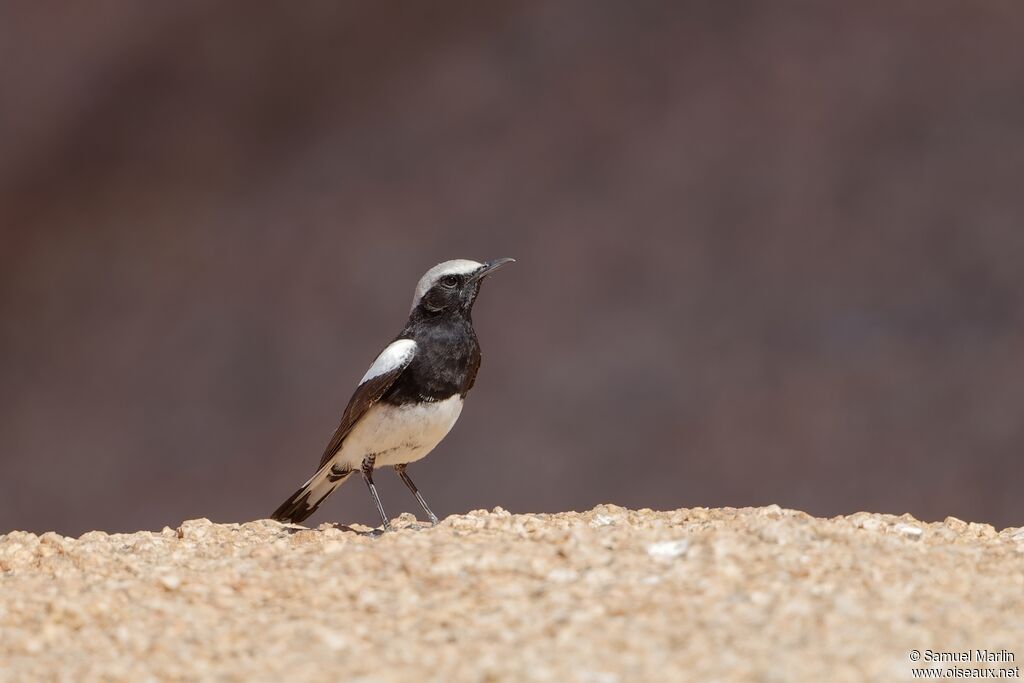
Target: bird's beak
[490,267]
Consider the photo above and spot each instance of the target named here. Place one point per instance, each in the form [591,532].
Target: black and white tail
[307,499]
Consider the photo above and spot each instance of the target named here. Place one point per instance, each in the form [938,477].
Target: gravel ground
[610,595]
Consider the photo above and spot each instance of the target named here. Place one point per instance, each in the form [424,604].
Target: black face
[454,293]
[451,293]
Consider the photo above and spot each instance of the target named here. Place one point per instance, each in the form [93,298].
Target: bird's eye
[450,280]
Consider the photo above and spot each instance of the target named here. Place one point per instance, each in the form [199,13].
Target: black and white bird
[412,394]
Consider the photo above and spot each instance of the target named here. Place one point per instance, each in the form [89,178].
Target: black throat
[446,361]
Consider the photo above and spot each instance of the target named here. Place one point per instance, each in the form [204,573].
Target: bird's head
[452,286]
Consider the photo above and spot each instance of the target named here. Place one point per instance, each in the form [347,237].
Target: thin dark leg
[412,487]
[367,471]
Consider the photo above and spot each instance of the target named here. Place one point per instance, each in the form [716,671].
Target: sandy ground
[605,596]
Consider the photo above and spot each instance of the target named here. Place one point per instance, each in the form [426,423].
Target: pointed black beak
[490,267]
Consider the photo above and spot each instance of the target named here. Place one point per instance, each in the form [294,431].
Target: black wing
[388,366]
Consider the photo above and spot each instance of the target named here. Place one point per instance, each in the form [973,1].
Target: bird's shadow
[371,533]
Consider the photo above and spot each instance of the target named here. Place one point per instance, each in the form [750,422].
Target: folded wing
[381,375]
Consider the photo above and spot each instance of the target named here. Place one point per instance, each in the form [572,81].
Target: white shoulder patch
[396,355]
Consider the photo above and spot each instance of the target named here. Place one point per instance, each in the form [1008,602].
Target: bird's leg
[367,470]
[412,487]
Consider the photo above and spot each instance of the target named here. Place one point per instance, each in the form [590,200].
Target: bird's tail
[307,499]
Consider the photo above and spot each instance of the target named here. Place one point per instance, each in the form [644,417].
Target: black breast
[446,361]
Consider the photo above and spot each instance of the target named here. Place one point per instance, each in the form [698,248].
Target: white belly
[399,434]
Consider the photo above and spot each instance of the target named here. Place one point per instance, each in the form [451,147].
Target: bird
[410,397]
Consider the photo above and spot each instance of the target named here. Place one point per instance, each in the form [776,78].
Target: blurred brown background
[768,252]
